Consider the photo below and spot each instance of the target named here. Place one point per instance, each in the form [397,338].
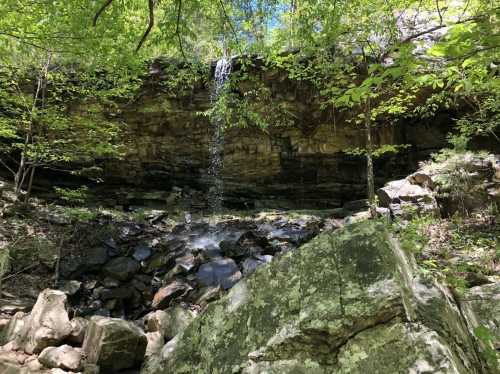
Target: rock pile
[464,182]
[137,271]
[47,341]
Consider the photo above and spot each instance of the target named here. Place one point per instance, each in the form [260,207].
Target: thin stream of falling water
[216,192]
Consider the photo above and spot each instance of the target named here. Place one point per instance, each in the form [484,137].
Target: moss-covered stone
[339,304]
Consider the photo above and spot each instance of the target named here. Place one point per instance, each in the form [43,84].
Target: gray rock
[12,330]
[250,265]
[165,295]
[109,282]
[155,343]
[207,294]
[63,357]
[223,272]
[169,322]
[114,344]
[187,262]
[71,287]
[481,306]
[78,329]
[122,268]
[96,256]
[48,323]
[142,252]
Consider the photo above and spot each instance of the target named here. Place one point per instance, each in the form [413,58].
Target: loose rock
[114,344]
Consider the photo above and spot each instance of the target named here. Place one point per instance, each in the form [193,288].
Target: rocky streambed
[135,285]
[295,292]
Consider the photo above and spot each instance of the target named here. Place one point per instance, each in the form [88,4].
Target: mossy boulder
[346,302]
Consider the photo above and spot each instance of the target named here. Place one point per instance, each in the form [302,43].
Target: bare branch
[439,12]
[22,40]
[435,28]
[100,11]
[177,32]
[228,21]
[7,167]
[151,23]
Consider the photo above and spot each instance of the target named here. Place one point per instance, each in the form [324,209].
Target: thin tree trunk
[30,184]
[369,160]
[23,169]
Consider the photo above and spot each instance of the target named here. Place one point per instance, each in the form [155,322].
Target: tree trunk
[30,184]
[369,161]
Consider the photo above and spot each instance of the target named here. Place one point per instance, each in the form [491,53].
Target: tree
[38,42]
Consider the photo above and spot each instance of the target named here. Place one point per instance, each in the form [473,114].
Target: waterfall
[216,192]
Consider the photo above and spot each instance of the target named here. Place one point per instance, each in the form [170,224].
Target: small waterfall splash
[216,192]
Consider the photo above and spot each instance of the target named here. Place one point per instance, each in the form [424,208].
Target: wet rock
[113,249]
[48,323]
[160,262]
[223,272]
[290,234]
[122,268]
[187,262]
[138,285]
[165,295]
[142,252]
[109,282]
[116,293]
[96,256]
[114,344]
[248,244]
[63,357]
[206,294]
[129,229]
[251,264]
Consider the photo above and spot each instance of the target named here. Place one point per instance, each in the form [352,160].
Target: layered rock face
[347,302]
[301,165]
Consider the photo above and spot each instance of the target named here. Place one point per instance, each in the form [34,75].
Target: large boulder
[481,306]
[48,323]
[114,344]
[349,301]
[398,194]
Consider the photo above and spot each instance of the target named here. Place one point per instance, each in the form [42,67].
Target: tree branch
[100,11]
[177,32]
[430,30]
[228,21]
[7,167]
[439,13]
[151,23]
